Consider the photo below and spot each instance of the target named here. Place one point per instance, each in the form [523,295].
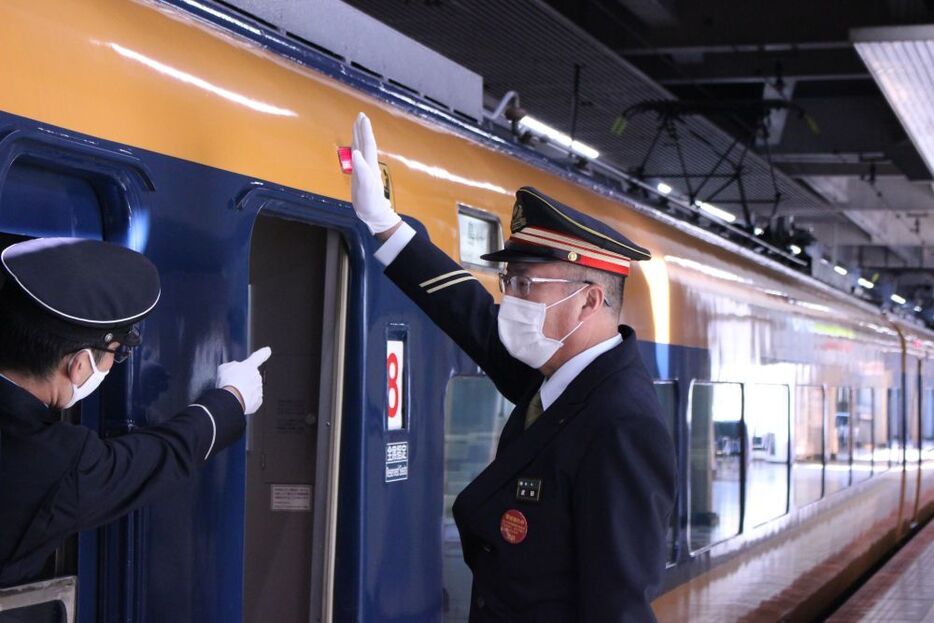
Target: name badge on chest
[528,489]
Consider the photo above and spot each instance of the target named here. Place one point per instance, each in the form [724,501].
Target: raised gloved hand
[244,377]
[366,183]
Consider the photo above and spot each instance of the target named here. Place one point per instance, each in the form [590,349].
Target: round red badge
[513,526]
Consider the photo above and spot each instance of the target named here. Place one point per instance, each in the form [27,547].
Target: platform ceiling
[846,170]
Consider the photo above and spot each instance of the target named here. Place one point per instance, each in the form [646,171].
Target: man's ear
[594,301]
[76,367]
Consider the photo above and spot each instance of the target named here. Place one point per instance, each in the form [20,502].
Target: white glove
[366,183]
[245,378]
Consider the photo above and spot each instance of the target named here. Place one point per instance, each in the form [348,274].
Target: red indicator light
[345,155]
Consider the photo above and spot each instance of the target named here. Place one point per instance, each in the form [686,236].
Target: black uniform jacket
[58,478]
[601,456]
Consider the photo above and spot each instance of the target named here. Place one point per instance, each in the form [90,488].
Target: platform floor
[903,590]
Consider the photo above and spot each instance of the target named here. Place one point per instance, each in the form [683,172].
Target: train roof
[334,66]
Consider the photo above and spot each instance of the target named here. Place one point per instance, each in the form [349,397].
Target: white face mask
[88,387]
[521,322]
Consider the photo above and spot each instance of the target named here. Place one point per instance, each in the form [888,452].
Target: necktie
[534,410]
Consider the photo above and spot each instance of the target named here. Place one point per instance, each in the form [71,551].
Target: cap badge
[518,218]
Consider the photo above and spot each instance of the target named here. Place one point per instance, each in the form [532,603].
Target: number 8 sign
[395,356]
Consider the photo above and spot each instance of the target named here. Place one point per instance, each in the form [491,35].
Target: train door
[297,299]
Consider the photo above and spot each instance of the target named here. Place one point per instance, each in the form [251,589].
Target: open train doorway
[298,277]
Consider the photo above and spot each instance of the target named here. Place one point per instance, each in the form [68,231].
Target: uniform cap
[84,285]
[545,230]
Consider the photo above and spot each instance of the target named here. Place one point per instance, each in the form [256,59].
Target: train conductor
[69,310]
[568,522]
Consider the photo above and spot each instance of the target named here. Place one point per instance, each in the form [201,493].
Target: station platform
[902,590]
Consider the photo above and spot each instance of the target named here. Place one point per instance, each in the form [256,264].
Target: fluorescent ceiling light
[840,270]
[901,61]
[795,249]
[709,208]
[537,127]
[663,188]
[897,299]
[866,283]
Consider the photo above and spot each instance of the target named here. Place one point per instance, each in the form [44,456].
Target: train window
[914,412]
[667,392]
[480,232]
[894,410]
[880,436]
[36,201]
[839,438]
[716,455]
[474,416]
[864,408]
[767,425]
[808,471]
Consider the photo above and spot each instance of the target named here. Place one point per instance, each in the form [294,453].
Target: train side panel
[215,118]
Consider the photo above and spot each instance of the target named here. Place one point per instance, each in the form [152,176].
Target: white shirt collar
[555,385]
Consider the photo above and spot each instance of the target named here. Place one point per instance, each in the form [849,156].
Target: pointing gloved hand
[244,379]
[366,183]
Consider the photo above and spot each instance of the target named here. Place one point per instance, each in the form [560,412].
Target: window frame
[483,215]
[689,420]
[120,184]
[675,522]
[788,455]
[823,441]
[827,432]
[855,392]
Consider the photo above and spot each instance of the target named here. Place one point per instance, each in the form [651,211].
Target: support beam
[729,67]
[738,48]
[834,169]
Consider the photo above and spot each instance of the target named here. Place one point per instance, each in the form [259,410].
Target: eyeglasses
[121,353]
[522,284]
